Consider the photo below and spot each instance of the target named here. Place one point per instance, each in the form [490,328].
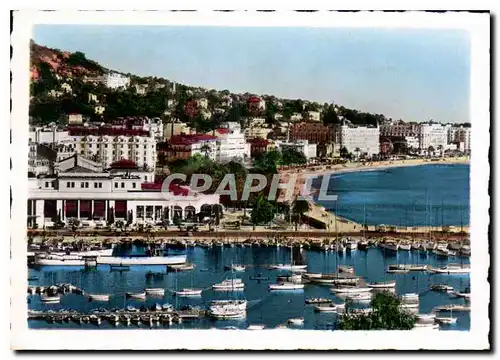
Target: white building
[303,146]
[359,140]
[116,81]
[314,115]
[460,136]
[231,143]
[257,128]
[83,190]
[296,117]
[75,119]
[434,135]
[47,135]
[412,142]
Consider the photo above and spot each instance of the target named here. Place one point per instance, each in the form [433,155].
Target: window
[95,185]
[100,185]
[46,184]
[86,184]
[116,185]
[72,184]
[82,185]
[133,185]
[106,146]
[123,185]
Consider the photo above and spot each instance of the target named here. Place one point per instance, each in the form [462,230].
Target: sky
[412,74]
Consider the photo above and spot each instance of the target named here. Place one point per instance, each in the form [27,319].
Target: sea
[426,195]
[265,307]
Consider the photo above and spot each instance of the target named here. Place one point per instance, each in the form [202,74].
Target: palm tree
[300,207]
[357,151]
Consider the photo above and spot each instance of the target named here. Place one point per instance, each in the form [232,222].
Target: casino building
[83,190]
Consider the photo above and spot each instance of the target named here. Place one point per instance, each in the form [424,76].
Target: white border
[476,338]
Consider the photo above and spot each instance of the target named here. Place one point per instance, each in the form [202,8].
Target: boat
[313,275]
[155,291]
[188,292]
[346,269]
[404,246]
[382,285]
[409,306]
[351,245]
[142,260]
[450,269]
[98,297]
[286,286]
[237,304]
[318,301]
[350,290]
[326,308]
[446,320]
[256,327]
[235,267]
[425,317]
[410,298]
[296,321]
[461,295]
[294,278]
[181,267]
[289,267]
[229,284]
[50,299]
[425,326]
[442,287]
[167,307]
[389,245]
[397,269]
[363,244]
[417,267]
[227,313]
[359,297]
[141,296]
[415,245]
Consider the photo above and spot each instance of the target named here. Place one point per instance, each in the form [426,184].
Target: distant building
[315,133]
[256,128]
[116,81]
[314,115]
[231,144]
[303,146]
[141,89]
[185,146]
[258,146]
[359,140]
[460,136]
[433,135]
[175,128]
[399,128]
[296,117]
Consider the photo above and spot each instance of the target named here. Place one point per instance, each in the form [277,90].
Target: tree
[300,207]
[293,157]
[73,223]
[267,162]
[430,150]
[386,314]
[206,149]
[262,212]
[162,160]
[344,153]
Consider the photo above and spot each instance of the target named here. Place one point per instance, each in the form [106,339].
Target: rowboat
[382,285]
[326,308]
[140,296]
[99,297]
[286,286]
[189,292]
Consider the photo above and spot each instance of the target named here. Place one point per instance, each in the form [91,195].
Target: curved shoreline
[318,212]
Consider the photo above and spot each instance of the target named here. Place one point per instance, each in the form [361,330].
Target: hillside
[65,83]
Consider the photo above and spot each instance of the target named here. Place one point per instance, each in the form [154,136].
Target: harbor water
[264,307]
[426,195]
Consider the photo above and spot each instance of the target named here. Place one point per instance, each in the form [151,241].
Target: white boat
[99,297]
[350,290]
[58,261]
[296,321]
[404,246]
[230,284]
[182,267]
[417,267]
[346,269]
[409,306]
[425,326]
[286,286]
[351,245]
[451,269]
[236,267]
[391,246]
[256,327]
[142,260]
[313,275]
[189,292]
[237,304]
[360,297]
[410,297]
[326,308]
[415,245]
[442,287]
[425,317]
[227,313]
[102,252]
[461,295]
[382,285]
[398,269]
[49,299]
[140,296]
[318,301]
[155,291]
[288,267]
[446,320]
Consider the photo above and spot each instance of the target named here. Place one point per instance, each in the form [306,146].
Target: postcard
[250,180]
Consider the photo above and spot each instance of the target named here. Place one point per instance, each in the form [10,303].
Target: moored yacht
[229,285]
[287,286]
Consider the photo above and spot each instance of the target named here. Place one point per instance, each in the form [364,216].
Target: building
[175,128]
[433,135]
[83,190]
[185,146]
[314,115]
[107,145]
[296,117]
[75,119]
[66,88]
[399,128]
[257,128]
[460,136]
[258,146]
[315,133]
[47,135]
[303,146]
[231,143]
[141,89]
[359,140]
[116,81]
[39,161]
[256,104]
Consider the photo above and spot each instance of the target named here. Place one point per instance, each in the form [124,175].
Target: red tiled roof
[223,131]
[190,139]
[253,99]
